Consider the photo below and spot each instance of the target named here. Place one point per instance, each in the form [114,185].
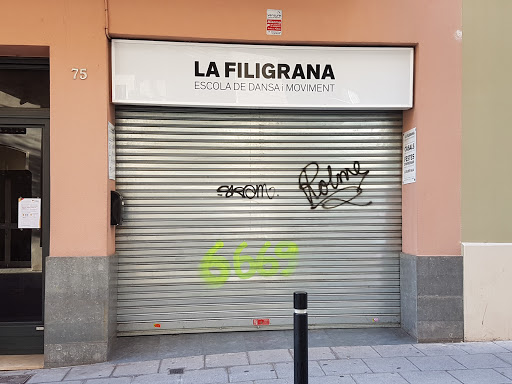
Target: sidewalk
[394,363]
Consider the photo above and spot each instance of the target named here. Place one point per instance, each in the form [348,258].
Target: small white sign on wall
[409,157]
[111,151]
[29,213]
[274,22]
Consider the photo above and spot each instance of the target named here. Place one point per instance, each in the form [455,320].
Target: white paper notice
[29,213]
[409,157]
[111,151]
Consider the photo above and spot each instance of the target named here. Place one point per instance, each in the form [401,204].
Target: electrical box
[116,208]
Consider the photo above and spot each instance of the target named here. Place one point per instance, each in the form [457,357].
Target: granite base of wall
[80,310]
[431,289]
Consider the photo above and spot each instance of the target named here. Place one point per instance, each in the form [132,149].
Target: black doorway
[25,184]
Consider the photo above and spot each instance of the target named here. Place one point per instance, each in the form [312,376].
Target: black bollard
[300,337]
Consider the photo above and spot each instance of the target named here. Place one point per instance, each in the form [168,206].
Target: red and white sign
[274,22]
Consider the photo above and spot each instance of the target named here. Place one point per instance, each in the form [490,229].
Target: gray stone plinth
[80,315]
[431,297]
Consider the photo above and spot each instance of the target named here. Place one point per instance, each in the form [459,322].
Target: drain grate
[17,379]
[176,371]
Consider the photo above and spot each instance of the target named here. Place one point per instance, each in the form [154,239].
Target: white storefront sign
[409,157]
[229,75]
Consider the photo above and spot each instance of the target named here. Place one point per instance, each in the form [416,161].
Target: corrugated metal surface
[227,213]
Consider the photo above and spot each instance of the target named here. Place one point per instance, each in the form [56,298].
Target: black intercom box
[116,208]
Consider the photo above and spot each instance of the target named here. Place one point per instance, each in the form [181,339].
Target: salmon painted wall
[74,34]
[431,206]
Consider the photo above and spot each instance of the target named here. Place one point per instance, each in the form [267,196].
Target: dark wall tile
[58,355]
[431,289]
[440,308]
[440,331]
[80,311]
[441,276]
[439,265]
[88,332]
[408,293]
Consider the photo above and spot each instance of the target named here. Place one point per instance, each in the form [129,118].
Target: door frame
[28,337]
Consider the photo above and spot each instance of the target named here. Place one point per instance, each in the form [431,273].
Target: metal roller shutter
[227,213]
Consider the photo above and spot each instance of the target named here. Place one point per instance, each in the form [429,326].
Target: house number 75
[79,73]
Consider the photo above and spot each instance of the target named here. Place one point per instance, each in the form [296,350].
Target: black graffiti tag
[248,191]
[335,191]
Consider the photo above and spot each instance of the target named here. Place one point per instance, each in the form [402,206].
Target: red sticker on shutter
[258,322]
[156,325]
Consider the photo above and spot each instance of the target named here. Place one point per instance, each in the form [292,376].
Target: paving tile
[390,364]
[344,367]
[431,377]
[479,376]
[94,371]
[217,343]
[484,360]
[342,379]
[110,380]
[270,381]
[188,363]
[380,378]
[265,345]
[507,357]
[181,346]
[286,370]
[19,372]
[14,379]
[440,349]
[205,376]
[356,352]
[269,356]
[48,375]
[226,359]
[251,372]
[252,382]
[481,347]
[70,382]
[505,371]
[403,350]
[367,336]
[268,340]
[507,344]
[139,368]
[435,363]
[157,378]
[319,353]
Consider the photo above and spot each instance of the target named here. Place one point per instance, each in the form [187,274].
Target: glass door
[24,187]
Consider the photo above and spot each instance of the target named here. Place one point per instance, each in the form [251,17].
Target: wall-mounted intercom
[116,208]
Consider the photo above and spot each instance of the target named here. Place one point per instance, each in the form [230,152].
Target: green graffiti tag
[212,261]
[216,269]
